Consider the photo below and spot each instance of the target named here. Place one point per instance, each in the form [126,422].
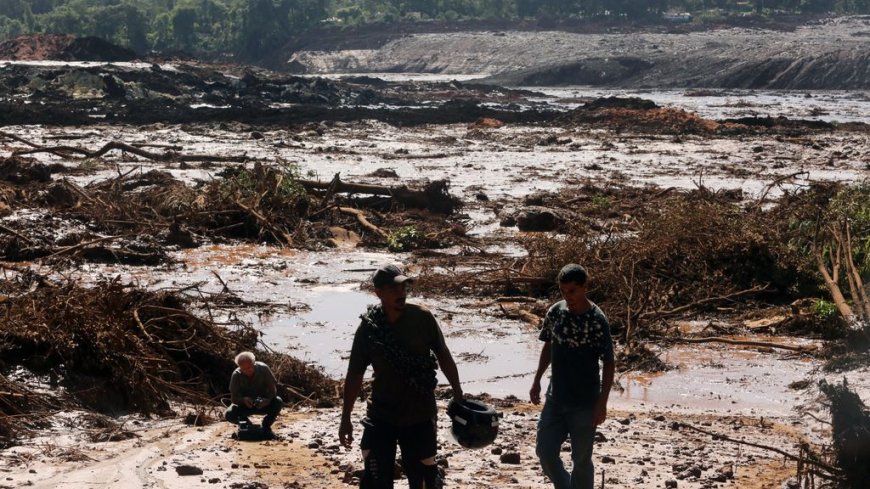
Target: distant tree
[13,9]
[63,20]
[136,29]
[184,27]
[11,27]
[817,6]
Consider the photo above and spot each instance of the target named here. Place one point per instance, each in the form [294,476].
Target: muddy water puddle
[317,298]
[721,378]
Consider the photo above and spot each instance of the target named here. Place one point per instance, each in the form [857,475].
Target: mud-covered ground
[820,54]
[305,295]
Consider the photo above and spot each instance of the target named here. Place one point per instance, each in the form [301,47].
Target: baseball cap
[389,274]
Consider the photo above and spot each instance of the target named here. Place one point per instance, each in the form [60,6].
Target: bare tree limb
[676,310]
[831,473]
[361,218]
[762,344]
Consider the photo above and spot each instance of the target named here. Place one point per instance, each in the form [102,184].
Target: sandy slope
[832,54]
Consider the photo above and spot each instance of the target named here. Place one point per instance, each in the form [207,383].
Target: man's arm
[271,389]
[235,391]
[448,366]
[606,385]
[352,386]
[543,363]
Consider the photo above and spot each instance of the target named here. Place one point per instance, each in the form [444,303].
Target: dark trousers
[556,424]
[236,413]
[417,442]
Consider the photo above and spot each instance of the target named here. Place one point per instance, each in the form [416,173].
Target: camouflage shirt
[578,342]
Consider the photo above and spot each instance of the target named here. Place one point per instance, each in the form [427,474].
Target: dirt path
[633,449]
[153,459]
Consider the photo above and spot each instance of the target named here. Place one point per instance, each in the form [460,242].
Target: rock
[659,418]
[670,484]
[257,135]
[214,480]
[599,437]
[693,471]
[343,238]
[481,197]
[384,173]
[538,219]
[496,451]
[184,470]
[607,460]
[791,483]
[728,472]
[507,220]
[510,458]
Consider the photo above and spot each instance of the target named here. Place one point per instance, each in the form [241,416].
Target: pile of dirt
[43,47]
[117,348]
[635,114]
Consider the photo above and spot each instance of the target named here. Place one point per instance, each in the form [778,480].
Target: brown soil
[43,47]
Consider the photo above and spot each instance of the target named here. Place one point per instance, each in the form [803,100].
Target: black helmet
[475,424]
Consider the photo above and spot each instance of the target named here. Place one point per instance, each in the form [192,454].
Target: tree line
[248,27]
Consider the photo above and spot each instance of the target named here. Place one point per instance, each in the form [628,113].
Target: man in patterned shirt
[576,336]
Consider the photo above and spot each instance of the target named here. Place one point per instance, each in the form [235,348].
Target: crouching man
[253,390]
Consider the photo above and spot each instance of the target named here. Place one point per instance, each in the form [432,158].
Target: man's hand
[345,432]
[535,392]
[600,413]
[248,402]
[263,403]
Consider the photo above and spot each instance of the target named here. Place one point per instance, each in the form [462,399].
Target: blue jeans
[556,424]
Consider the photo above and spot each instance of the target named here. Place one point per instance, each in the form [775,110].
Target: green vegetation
[404,239]
[249,27]
[825,310]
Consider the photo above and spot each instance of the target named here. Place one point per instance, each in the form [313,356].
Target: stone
[538,219]
[185,470]
[512,458]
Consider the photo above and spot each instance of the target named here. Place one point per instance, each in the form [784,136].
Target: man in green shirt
[404,345]
[253,390]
